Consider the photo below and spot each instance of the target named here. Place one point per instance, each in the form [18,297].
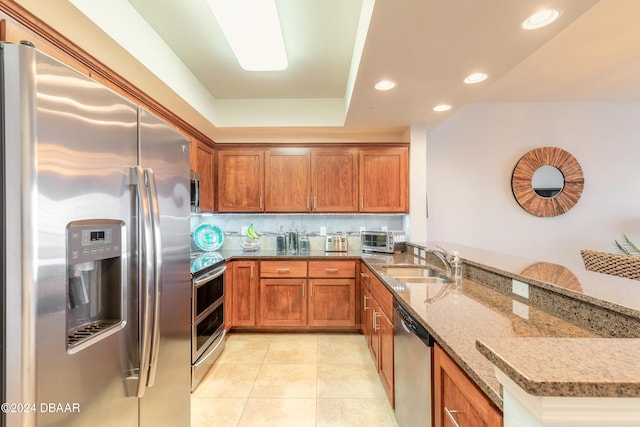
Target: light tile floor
[292,380]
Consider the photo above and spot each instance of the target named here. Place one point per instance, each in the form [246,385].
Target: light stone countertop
[459,317]
[568,367]
[480,327]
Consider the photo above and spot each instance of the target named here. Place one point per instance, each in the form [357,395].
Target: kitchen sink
[411,271]
[432,279]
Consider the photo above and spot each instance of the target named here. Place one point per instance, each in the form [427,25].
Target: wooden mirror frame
[523,190]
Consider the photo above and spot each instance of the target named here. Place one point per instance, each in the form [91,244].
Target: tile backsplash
[268,225]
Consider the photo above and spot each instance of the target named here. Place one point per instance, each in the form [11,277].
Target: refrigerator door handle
[147,279]
[157,275]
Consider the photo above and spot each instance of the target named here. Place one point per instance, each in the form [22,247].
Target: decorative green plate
[208,237]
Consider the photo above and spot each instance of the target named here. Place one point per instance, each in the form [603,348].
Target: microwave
[383,241]
[195,191]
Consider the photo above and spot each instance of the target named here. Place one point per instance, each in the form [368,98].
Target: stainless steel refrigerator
[95,243]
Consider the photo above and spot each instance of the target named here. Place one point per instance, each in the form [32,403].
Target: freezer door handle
[147,277]
[157,275]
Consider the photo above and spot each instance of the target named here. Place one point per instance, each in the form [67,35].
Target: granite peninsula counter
[534,341]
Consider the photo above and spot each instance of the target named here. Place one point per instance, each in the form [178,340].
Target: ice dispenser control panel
[93,240]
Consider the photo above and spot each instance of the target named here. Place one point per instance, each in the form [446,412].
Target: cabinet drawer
[332,269]
[283,269]
[382,295]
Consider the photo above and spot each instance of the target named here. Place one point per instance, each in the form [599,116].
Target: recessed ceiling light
[475,78]
[442,107]
[385,85]
[252,29]
[541,18]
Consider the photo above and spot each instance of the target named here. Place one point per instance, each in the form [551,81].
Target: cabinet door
[455,395]
[288,180]
[283,302]
[334,180]
[385,354]
[332,302]
[244,292]
[384,180]
[366,311]
[240,181]
[204,165]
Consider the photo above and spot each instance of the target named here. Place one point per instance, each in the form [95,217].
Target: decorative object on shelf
[547,181]
[614,264]
[208,237]
[250,239]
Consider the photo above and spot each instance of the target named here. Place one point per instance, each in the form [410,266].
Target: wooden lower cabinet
[456,396]
[332,302]
[283,302]
[332,293]
[244,292]
[377,328]
[385,354]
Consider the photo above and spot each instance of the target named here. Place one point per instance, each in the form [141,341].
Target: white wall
[471,156]
[416,221]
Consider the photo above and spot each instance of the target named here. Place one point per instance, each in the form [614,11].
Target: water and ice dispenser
[95,281]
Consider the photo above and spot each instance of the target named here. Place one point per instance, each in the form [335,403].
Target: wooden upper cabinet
[202,161]
[334,180]
[384,180]
[287,180]
[307,179]
[240,181]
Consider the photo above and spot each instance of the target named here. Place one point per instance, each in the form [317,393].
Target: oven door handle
[209,276]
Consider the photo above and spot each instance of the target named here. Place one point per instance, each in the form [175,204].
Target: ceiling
[338,49]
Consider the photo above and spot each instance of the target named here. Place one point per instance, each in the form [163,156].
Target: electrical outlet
[520,309]
[519,288]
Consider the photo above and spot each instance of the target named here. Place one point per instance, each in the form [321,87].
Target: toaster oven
[383,241]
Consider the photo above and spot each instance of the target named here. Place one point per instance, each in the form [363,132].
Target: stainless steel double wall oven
[207,314]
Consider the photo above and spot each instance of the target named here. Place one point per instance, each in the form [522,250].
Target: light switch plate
[519,288]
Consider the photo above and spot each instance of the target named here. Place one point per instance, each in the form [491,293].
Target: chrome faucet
[445,258]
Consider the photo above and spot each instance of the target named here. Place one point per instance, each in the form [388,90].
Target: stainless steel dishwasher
[413,350]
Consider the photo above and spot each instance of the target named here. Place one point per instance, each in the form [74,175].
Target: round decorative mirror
[547,181]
